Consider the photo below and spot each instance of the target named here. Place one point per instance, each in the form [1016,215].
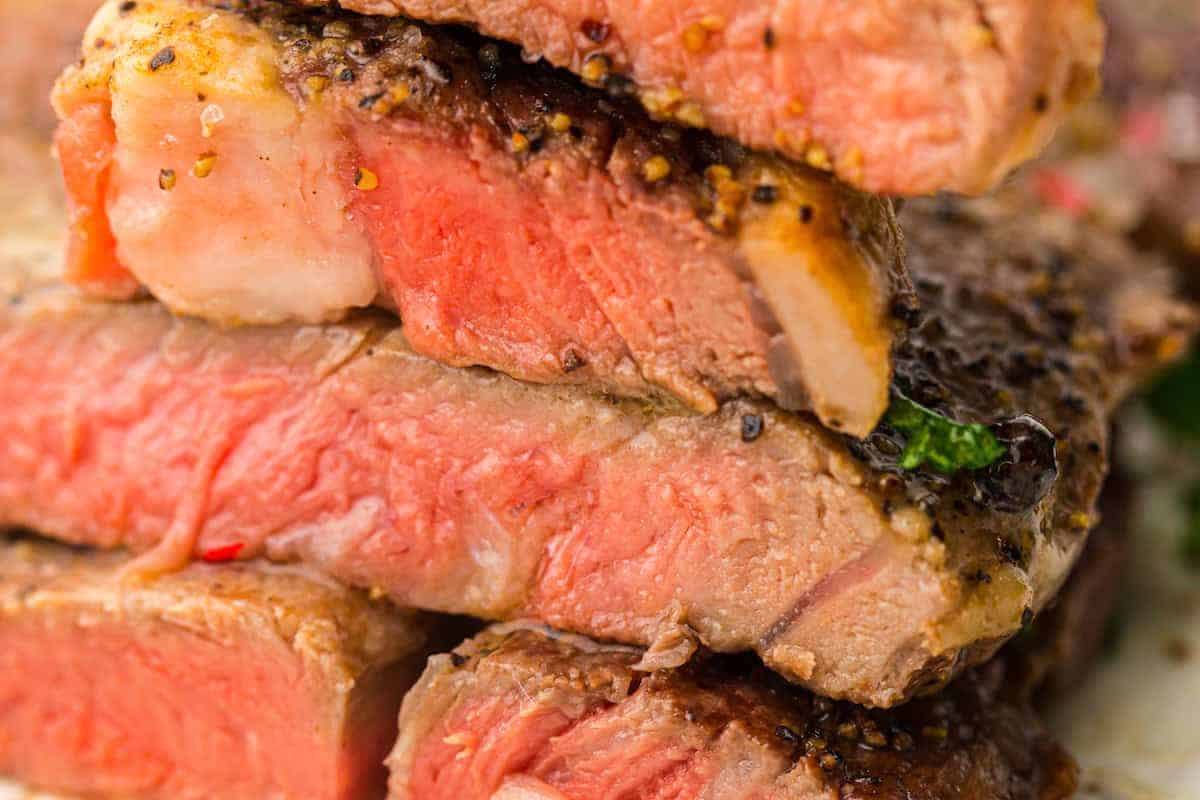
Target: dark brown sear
[908,99]
[719,727]
[1033,335]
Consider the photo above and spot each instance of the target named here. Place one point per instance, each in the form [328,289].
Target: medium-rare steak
[525,714]
[522,713]
[904,98]
[466,491]
[528,714]
[297,164]
[233,681]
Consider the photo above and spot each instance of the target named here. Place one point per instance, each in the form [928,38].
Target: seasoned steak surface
[528,712]
[904,98]
[514,218]
[1017,328]
[469,492]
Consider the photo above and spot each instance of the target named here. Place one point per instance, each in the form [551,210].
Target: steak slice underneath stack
[530,714]
[904,98]
[187,687]
[237,681]
[297,165]
[466,491]
[523,713]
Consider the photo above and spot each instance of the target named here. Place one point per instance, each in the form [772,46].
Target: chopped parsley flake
[1175,397]
[945,445]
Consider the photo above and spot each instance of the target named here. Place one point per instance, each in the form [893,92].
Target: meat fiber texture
[468,492]
[523,713]
[531,714]
[299,166]
[234,681]
[523,721]
[896,97]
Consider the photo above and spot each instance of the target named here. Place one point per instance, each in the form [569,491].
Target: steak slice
[466,491]
[234,681]
[1055,656]
[299,164]
[522,713]
[902,98]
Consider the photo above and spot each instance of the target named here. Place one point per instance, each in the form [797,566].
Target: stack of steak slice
[396,316]
[252,681]
[469,492]
[513,218]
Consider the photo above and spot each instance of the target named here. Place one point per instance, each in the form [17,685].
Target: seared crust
[449,76]
[901,99]
[1039,336]
[459,79]
[976,740]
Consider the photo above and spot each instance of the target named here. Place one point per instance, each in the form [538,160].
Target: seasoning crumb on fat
[166,179]
[560,123]
[365,180]
[596,69]
[765,194]
[204,165]
[656,168]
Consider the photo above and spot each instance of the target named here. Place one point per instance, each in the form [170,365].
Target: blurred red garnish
[1142,128]
[1058,189]
[220,555]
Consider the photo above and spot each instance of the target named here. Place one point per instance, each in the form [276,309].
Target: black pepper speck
[162,58]
[752,427]
[765,194]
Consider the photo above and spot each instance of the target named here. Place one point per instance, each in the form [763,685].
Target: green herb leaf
[945,445]
[1175,397]
[1189,543]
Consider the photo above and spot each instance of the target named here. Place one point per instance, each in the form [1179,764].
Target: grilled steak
[39,40]
[299,164]
[901,98]
[528,714]
[238,681]
[1055,655]
[465,491]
